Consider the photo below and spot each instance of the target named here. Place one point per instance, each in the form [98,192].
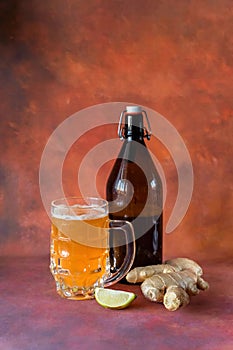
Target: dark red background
[58,57]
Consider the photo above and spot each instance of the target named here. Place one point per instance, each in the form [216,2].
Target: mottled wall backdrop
[58,57]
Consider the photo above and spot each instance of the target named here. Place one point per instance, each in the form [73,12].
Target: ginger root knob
[175,297]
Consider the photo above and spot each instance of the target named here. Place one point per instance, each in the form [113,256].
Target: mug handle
[127,228]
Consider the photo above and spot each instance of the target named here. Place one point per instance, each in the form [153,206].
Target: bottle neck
[134,128]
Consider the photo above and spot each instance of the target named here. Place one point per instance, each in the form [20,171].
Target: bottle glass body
[134,190]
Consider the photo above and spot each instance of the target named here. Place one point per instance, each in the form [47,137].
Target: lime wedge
[113,299]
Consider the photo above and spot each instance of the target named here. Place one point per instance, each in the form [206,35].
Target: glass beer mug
[81,246]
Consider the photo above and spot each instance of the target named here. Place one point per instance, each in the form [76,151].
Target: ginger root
[139,274]
[171,283]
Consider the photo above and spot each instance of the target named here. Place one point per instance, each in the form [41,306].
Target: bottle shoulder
[135,164]
[135,176]
[134,152]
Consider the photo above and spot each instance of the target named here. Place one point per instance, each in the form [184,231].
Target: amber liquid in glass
[79,252]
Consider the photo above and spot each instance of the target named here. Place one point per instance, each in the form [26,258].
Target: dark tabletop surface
[33,316]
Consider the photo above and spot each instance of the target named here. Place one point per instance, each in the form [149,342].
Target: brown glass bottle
[134,189]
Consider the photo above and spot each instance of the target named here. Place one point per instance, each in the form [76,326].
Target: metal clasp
[120,128]
[147,131]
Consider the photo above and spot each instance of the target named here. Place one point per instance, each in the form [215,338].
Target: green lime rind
[114,299]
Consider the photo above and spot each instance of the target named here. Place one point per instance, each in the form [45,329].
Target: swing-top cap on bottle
[133,120]
[133,109]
